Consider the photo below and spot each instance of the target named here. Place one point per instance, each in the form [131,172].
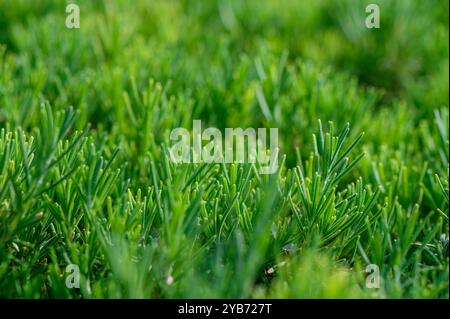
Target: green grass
[86,179]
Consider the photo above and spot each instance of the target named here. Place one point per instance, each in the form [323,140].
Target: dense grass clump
[86,178]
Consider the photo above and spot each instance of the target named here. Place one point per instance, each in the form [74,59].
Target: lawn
[92,205]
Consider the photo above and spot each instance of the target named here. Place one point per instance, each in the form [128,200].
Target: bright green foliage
[86,179]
